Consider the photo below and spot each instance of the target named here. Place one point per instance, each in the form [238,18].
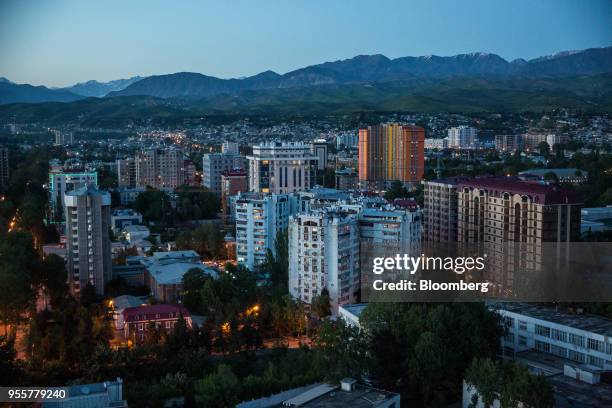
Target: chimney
[348,384]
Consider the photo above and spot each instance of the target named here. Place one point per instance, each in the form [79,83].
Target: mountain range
[470,82]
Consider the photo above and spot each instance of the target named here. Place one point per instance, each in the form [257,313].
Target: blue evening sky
[58,43]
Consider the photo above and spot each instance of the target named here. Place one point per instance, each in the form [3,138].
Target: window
[595,345]
[522,325]
[576,356]
[559,335]
[522,341]
[576,340]
[542,346]
[542,330]
[596,361]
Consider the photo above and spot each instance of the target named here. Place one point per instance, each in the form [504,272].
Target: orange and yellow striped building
[391,152]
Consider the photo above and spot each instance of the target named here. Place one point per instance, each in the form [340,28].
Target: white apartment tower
[259,217]
[87,234]
[215,164]
[278,168]
[324,253]
[462,137]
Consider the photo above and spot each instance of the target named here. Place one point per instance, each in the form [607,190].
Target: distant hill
[463,94]
[13,93]
[376,69]
[100,89]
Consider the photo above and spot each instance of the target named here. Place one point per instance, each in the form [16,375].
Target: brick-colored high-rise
[391,152]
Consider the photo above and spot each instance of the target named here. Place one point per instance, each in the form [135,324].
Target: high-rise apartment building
[62,181]
[63,137]
[259,217]
[391,152]
[215,164]
[503,209]
[230,148]
[126,172]
[233,182]
[324,254]
[350,140]
[162,168]
[440,210]
[318,148]
[279,168]
[508,143]
[462,137]
[531,141]
[87,234]
[4,167]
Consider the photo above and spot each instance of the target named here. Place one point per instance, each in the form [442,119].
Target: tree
[552,177]
[544,149]
[397,190]
[53,279]
[321,304]
[219,389]
[19,270]
[508,382]
[193,282]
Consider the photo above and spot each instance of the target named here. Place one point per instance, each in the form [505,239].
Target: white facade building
[229,148]
[431,143]
[258,219]
[279,168]
[350,140]
[324,253]
[585,339]
[318,148]
[462,137]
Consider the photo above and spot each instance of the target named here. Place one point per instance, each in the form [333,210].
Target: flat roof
[583,321]
[355,308]
[361,397]
[172,274]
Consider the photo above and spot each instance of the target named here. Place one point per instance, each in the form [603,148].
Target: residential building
[440,210]
[391,152]
[349,393]
[62,181]
[87,211]
[107,394]
[324,254]
[438,144]
[121,218]
[531,141]
[556,139]
[161,168]
[582,338]
[259,217]
[233,182]
[63,137]
[508,143]
[281,168]
[350,140]
[502,209]
[215,164]
[230,148]
[347,179]
[4,168]
[120,303]
[126,172]
[462,137]
[138,320]
[318,148]
[390,225]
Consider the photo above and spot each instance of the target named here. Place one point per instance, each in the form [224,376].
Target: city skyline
[235,40]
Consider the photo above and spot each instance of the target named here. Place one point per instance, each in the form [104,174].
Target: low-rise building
[134,233]
[569,175]
[123,217]
[107,394]
[137,320]
[349,393]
